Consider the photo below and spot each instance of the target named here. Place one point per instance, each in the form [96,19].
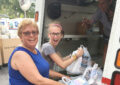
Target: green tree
[13,10]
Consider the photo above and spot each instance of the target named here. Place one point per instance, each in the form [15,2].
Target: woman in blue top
[26,65]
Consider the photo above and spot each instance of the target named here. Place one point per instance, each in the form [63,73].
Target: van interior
[70,13]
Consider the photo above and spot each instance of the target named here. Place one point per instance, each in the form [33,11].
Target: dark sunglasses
[34,33]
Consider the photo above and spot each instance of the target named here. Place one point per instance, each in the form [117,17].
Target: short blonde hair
[25,23]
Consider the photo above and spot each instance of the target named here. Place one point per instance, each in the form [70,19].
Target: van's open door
[111,73]
[39,18]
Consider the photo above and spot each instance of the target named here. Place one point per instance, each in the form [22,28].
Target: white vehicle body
[111,71]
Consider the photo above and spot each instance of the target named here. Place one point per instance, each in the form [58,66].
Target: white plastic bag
[86,60]
[79,66]
[74,68]
[93,75]
[77,81]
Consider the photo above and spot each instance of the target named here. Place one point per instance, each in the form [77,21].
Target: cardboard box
[0,58]
[7,46]
[81,30]
[0,53]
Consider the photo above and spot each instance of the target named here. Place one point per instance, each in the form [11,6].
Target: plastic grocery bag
[79,66]
[74,68]
[93,75]
[78,81]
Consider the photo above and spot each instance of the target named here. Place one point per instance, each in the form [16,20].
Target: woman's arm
[64,63]
[22,62]
[60,62]
[55,74]
[64,58]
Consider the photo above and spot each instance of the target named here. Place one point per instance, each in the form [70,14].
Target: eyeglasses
[34,33]
[57,34]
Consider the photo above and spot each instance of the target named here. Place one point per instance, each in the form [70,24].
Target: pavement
[4,78]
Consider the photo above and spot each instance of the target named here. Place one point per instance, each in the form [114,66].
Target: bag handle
[66,80]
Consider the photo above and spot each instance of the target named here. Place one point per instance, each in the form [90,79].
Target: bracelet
[74,57]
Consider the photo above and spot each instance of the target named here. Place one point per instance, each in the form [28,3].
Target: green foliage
[13,10]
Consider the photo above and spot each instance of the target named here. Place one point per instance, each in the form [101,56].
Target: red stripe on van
[106,81]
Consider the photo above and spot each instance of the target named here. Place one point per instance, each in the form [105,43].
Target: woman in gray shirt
[55,34]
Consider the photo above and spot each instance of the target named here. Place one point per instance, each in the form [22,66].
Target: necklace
[31,50]
[34,51]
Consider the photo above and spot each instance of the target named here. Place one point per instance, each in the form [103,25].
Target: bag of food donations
[79,65]
[91,76]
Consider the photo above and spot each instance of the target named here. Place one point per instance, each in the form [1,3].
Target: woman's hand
[80,52]
[86,23]
[67,77]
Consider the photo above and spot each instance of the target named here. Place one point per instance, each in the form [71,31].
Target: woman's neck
[110,15]
[52,44]
[30,49]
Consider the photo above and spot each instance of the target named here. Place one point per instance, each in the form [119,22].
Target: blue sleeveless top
[15,77]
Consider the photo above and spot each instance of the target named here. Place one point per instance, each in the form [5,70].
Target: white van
[70,13]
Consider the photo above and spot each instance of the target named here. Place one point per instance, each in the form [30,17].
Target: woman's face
[29,36]
[54,35]
[104,5]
